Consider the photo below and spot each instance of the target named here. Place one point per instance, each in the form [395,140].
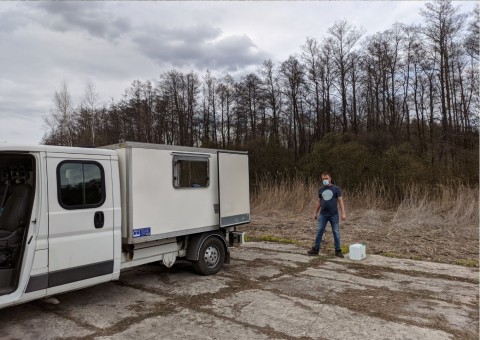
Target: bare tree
[344,37]
[272,93]
[293,78]
[443,22]
[327,77]
[88,104]
[225,91]
[311,57]
[472,40]
[61,121]
[209,120]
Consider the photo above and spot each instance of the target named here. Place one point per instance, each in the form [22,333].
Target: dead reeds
[437,223]
[451,203]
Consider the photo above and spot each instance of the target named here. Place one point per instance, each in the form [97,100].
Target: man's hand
[315,216]
[342,209]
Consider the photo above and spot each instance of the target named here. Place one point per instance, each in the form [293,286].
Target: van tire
[211,257]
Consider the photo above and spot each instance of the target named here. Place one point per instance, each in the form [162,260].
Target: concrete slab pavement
[269,291]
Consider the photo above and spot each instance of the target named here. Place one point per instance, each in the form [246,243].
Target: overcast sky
[43,44]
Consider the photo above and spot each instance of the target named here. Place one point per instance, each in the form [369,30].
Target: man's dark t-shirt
[328,197]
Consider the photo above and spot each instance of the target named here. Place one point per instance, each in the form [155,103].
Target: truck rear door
[80,220]
[233,188]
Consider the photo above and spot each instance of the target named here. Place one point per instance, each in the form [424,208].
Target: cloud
[13,17]
[200,46]
[170,44]
[190,34]
[21,130]
[93,17]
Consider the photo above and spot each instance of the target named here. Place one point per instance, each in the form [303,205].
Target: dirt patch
[383,303]
[383,233]
[392,306]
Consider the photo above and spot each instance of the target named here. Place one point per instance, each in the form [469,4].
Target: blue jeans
[322,224]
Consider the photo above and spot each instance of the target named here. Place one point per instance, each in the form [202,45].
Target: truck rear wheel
[211,257]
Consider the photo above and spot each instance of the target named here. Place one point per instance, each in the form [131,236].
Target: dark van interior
[16,199]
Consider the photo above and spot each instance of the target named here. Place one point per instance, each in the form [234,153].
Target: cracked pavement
[268,291]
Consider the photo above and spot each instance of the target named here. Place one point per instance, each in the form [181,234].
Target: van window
[80,184]
[190,173]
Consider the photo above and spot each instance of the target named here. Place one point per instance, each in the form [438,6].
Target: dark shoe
[338,253]
[314,251]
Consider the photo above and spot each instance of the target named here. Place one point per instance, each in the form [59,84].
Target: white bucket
[357,252]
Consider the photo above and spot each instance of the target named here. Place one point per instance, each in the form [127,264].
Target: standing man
[328,195]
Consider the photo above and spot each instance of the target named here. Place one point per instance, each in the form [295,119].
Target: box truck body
[75,217]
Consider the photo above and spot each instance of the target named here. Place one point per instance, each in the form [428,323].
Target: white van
[75,217]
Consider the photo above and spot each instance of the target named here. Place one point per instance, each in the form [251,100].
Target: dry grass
[435,224]
[454,204]
[293,196]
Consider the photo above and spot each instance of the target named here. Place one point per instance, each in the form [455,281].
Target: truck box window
[80,185]
[190,173]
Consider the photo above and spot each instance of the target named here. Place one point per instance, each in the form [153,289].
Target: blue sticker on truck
[141,232]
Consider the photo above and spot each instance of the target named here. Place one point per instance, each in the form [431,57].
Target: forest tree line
[398,105]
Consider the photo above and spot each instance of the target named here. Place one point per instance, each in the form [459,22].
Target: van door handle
[98,219]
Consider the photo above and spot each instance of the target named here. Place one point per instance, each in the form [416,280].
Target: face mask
[326,182]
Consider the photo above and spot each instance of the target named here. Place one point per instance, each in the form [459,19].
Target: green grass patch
[392,254]
[275,239]
[467,262]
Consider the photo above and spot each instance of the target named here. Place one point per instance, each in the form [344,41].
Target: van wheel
[211,257]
